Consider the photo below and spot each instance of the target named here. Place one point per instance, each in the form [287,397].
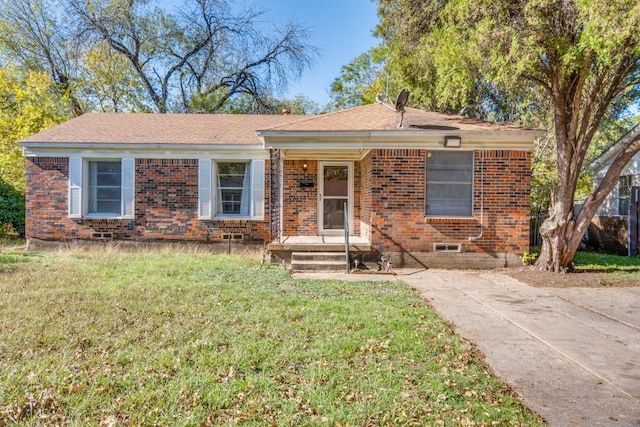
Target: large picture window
[449,184]
[233,188]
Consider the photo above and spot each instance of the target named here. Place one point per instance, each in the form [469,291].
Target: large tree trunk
[562,231]
[559,241]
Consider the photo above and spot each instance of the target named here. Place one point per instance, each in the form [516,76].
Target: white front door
[335,193]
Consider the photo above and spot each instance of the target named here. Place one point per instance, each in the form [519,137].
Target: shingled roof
[379,117]
[240,129]
[146,128]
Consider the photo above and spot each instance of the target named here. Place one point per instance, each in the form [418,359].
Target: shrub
[11,210]
[529,258]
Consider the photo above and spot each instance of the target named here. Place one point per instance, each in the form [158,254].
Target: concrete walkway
[573,355]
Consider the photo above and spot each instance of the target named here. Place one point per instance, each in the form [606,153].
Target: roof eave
[49,149]
[513,139]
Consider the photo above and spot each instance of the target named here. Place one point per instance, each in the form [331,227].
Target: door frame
[350,167]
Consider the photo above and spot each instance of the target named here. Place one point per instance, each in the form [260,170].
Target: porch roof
[376,125]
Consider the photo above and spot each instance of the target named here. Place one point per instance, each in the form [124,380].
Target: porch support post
[346,234]
[275,194]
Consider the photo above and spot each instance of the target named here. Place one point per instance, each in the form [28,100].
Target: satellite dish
[401,100]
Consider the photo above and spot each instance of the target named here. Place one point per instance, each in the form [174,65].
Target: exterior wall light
[304,166]
[452,141]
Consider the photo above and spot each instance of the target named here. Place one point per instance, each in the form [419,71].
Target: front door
[335,192]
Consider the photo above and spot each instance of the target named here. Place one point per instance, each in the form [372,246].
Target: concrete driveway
[573,355]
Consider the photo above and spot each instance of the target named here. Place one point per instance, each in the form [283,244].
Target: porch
[319,244]
[315,253]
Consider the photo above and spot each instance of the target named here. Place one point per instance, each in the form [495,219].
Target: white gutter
[48,149]
[350,140]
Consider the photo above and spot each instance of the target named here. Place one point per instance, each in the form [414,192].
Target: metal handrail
[346,235]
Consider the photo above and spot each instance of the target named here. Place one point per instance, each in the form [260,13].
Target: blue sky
[340,29]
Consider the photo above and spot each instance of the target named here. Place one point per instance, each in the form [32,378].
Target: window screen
[105,187]
[233,188]
[449,183]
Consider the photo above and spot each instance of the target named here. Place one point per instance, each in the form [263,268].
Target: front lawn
[189,338]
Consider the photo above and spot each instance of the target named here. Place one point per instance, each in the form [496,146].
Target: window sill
[449,219]
[104,216]
[231,217]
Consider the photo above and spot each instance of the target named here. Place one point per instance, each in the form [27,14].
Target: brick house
[616,226]
[438,191]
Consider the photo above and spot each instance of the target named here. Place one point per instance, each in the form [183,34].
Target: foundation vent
[232,236]
[102,236]
[447,247]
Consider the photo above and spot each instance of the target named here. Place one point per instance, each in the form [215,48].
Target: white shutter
[204,189]
[128,187]
[75,187]
[257,189]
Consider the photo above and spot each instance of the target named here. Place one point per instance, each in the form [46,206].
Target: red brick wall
[166,206]
[389,196]
[396,194]
[300,204]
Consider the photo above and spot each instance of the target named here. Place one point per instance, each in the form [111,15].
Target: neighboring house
[440,191]
[614,228]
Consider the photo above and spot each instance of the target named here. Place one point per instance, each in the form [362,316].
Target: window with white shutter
[101,188]
[231,189]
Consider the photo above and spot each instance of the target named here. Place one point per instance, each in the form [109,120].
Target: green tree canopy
[360,81]
[133,55]
[28,104]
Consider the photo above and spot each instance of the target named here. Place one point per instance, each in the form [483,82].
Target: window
[449,184]
[105,187]
[231,189]
[101,188]
[624,194]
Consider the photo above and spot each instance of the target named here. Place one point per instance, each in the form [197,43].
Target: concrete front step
[318,261]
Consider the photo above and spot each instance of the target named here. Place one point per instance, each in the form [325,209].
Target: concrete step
[318,256]
[318,261]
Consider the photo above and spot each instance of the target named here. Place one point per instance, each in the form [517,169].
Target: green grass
[194,339]
[604,262]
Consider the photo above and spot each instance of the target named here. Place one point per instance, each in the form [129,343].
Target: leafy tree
[208,52]
[38,35]
[579,60]
[300,105]
[108,83]
[28,104]
[134,55]
[360,81]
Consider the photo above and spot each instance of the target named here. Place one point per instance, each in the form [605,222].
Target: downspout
[474,238]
